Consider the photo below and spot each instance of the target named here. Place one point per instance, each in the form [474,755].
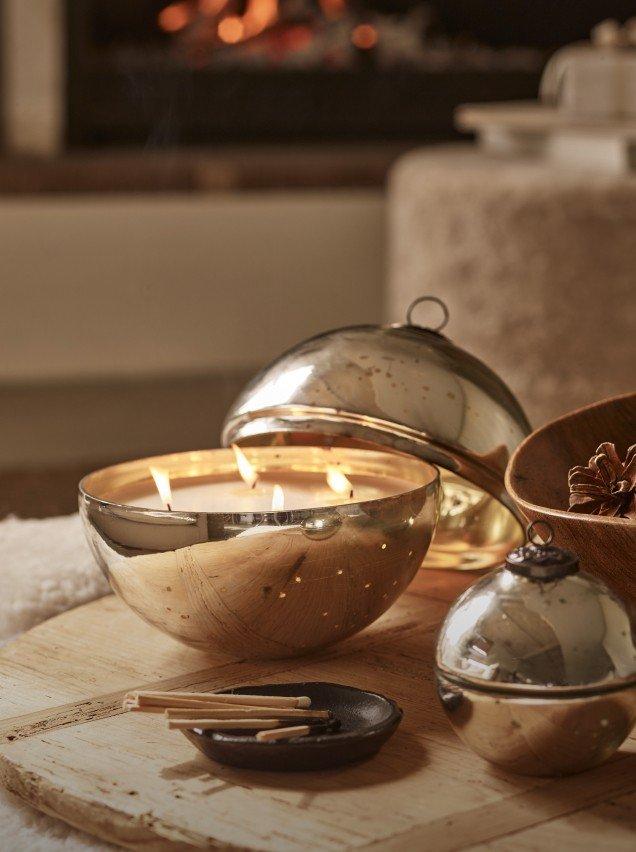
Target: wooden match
[242,713]
[283,733]
[223,725]
[168,699]
[151,706]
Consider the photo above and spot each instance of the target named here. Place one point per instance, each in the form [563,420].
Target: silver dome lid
[410,389]
[538,625]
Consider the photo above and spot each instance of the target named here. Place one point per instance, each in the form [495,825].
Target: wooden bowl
[537,480]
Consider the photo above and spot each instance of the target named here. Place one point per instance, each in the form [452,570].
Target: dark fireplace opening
[200,72]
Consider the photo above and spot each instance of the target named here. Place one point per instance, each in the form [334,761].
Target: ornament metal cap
[541,560]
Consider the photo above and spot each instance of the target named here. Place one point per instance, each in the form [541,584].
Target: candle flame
[245,468]
[162,481]
[338,482]
[278,498]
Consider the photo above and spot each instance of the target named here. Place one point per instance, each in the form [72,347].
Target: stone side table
[537,265]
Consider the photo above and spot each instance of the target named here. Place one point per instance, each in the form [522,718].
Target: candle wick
[169,507]
[351,494]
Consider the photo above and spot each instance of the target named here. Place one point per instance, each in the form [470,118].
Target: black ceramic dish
[366,719]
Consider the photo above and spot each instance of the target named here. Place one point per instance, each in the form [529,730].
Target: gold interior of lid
[475,531]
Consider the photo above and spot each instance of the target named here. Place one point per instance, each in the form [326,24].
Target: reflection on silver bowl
[534,735]
[261,584]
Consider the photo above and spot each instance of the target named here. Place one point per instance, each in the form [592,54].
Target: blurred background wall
[109,296]
[187,188]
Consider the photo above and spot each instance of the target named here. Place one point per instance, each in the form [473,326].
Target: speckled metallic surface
[508,631]
[411,389]
[534,736]
[261,584]
[539,674]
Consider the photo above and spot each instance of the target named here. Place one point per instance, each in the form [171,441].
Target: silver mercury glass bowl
[260,584]
[536,665]
[407,388]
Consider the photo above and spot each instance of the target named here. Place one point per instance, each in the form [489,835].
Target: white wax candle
[301,491]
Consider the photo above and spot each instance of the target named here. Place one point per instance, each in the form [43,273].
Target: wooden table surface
[67,747]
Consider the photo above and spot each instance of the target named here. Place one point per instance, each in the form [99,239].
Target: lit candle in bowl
[269,551]
[246,489]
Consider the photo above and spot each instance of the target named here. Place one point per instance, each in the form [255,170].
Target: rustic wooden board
[67,748]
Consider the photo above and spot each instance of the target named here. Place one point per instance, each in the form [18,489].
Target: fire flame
[278,498]
[245,467]
[175,17]
[211,7]
[231,30]
[333,8]
[338,482]
[162,482]
[364,36]
[259,15]
[231,22]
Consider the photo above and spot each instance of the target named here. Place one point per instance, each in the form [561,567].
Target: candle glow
[245,468]
[338,482]
[162,482]
[278,498]
[254,488]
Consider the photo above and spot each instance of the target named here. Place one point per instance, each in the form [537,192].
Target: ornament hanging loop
[535,537]
[437,301]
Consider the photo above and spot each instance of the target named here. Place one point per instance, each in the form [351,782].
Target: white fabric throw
[45,568]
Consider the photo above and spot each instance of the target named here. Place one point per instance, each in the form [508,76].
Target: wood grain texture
[574,832]
[537,479]
[126,779]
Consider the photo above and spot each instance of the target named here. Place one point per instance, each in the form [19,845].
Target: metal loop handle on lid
[531,532]
[437,301]
[541,560]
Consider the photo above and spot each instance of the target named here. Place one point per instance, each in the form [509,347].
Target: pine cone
[607,486]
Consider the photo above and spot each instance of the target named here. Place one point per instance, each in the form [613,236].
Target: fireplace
[157,74]
[194,72]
